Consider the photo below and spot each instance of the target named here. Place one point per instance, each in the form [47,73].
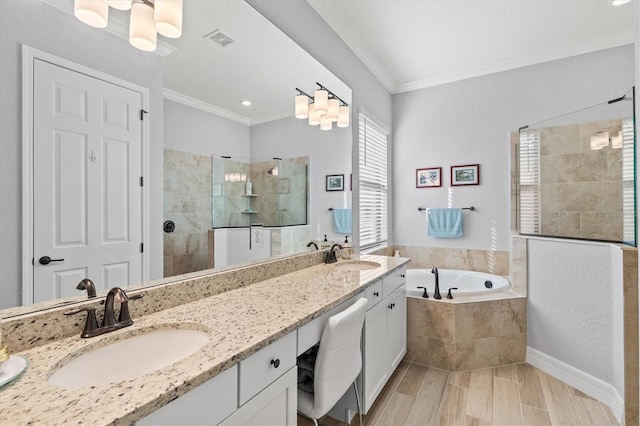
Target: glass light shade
[599,141]
[343,117]
[119,4]
[92,12]
[325,123]
[142,32]
[333,110]
[302,106]
[167,16]
[314,117]
[620,2]
[321,99]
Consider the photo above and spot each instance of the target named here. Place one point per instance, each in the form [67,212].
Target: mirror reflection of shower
[269,191]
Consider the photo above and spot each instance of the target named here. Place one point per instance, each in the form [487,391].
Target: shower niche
[573,176]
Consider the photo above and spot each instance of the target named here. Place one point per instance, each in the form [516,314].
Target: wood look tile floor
[510,395]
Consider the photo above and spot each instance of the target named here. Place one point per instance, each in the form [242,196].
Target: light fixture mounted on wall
[323,108]
[146,21]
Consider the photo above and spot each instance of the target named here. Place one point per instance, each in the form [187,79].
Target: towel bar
[421,209]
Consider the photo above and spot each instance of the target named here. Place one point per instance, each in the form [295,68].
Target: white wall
[329,152]
[46,28]
[570,308]
[469,122]
[192,130]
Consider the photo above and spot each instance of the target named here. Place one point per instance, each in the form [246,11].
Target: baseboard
[590,385]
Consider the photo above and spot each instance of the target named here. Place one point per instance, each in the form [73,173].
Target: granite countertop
[239,322]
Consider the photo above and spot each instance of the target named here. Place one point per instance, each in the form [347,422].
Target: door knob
[45,260]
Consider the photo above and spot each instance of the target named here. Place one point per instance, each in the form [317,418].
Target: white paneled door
[87,194]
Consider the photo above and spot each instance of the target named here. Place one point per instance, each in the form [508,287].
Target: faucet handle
[425,295]
[124,316]
[449,295]
[90,324]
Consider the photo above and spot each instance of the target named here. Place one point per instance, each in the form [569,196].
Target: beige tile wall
[187,202]
[466,336]
[631,354]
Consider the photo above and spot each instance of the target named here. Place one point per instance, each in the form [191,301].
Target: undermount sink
[130,358]
[357,265]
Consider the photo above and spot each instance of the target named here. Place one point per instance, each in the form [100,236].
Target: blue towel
[342,221]
[444,223]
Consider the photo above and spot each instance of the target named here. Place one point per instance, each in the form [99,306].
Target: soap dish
[11,368]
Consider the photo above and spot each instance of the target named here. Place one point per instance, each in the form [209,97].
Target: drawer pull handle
[376,293]
[275,362]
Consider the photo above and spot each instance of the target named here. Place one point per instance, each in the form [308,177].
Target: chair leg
[355,388]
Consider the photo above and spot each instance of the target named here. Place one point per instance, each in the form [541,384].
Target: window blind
[628,183]
[529,188]
[372,183]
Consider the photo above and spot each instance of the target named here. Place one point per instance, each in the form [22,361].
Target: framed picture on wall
[429,178]
[335,182]
[468,174]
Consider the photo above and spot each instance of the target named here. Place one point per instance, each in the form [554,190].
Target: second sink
[130,358]
[357,265]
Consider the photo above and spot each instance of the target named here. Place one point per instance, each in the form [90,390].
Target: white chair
[338,362]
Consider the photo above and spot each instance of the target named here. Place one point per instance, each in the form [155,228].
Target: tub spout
[436,293]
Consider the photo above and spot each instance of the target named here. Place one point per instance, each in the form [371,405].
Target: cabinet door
[374,363]
[396,306]
[207,404]
[275,405]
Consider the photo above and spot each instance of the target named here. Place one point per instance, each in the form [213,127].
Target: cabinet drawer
[373,293]
[310,333]
[394,280]
[259,370]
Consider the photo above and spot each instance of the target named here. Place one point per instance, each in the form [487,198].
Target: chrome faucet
[109,323]
[312,243]
[436,293]
[331,254]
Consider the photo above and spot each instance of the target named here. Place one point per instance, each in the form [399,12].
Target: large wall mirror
[575,174]
[230,53]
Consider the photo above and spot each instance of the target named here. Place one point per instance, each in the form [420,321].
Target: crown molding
[342,28]
[524,61]
[206,107]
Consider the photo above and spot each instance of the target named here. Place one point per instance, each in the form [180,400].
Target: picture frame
[467,174]
[335,183]
[283,186]
[429,178]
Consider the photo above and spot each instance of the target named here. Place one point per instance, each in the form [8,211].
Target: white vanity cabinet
[384,337]
[208,404]
[261,390]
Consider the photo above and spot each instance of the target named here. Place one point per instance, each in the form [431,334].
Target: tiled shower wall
[187,202]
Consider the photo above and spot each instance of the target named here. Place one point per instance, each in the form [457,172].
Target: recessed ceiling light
[619,2]
[246,103]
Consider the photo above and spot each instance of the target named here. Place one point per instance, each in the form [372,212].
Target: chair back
[339,359]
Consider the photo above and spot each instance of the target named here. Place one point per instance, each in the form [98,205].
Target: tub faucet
[436,293]
[331,255]
[312,243]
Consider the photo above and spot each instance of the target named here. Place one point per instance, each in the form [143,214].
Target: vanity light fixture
[147,19]
[324,108]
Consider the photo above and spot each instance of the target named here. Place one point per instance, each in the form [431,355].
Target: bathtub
[469,283]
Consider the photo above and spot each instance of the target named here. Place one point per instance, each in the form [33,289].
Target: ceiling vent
[219,37]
